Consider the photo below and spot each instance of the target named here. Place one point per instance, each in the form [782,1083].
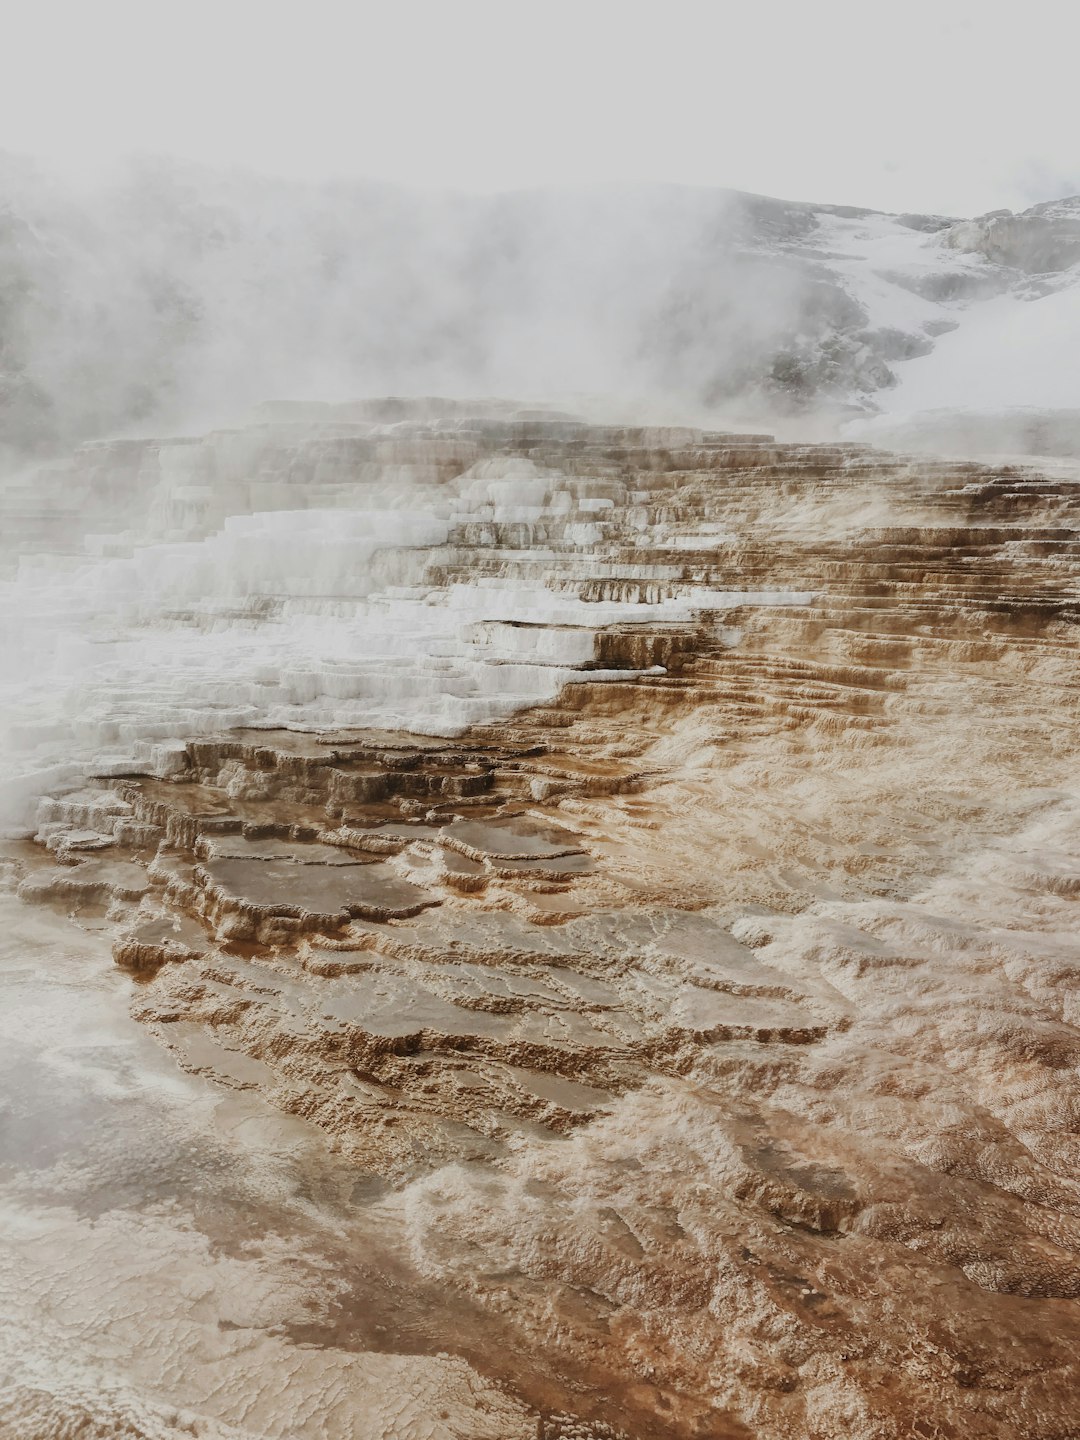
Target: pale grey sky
[950,106]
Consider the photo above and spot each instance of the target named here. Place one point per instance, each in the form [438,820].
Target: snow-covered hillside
[180,297]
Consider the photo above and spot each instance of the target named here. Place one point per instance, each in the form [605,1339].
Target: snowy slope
[1009,350]
[1000,336]
[181,297]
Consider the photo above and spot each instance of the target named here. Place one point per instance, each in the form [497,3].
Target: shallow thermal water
[179,1258]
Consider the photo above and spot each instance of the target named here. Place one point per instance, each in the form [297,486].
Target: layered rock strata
[709,1024]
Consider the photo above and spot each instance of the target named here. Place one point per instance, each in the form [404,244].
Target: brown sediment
[715,1029]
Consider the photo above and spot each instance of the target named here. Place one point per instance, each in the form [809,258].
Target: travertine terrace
[691,985]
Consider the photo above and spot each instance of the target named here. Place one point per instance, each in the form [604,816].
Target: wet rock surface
[708,1031]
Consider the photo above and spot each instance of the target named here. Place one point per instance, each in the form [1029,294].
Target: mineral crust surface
[598,912]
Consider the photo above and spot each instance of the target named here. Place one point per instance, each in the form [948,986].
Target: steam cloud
[175,296]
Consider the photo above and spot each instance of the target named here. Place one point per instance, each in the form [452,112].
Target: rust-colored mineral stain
[709,1033]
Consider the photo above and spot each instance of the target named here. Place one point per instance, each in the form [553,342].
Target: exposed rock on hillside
[1042,240]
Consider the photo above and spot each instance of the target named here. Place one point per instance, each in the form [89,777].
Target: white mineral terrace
[321,617]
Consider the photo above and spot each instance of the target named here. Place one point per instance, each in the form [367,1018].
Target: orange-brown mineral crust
[710,1036]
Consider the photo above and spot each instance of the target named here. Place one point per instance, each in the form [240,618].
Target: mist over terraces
[210,291]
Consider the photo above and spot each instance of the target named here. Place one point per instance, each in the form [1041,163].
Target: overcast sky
[955,107]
